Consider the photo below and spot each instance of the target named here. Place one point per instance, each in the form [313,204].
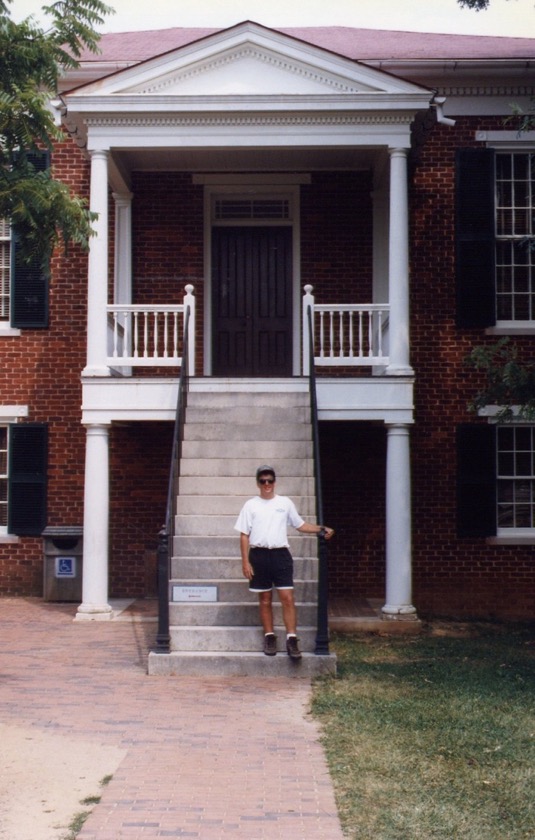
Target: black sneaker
[270,644]
[293,648]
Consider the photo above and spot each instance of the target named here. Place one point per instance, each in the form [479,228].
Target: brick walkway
[205,758]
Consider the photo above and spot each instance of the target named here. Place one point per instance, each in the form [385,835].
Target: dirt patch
[44,777]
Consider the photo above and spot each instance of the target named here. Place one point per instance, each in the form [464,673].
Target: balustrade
[349,334]
[150,335]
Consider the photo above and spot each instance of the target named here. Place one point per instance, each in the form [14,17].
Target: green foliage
[40,208]
[523,120]
[477,5]
[509,383]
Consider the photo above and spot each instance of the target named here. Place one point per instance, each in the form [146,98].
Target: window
[23,283]
[496,482]
[5,269]
[495,239]
[515,458]
[515,236]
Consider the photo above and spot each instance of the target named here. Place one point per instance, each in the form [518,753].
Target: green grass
[77,822]
[433,736]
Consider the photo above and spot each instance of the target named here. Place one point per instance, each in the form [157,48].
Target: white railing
[348,334]
[151,335]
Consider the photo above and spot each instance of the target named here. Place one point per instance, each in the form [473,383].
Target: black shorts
[272,567]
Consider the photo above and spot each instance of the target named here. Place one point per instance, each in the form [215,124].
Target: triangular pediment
[251,61]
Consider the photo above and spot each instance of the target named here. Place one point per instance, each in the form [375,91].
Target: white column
[398,525]
[398,262]
[97,286]
[94,604]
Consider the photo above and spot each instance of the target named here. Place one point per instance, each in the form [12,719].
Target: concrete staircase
[215,627]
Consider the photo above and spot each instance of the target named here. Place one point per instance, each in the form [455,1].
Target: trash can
[62,563]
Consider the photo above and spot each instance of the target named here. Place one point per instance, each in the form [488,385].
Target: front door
[252,301]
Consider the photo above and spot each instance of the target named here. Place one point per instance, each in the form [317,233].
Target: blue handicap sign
[65,567]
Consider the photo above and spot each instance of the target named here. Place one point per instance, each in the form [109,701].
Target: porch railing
[165,536]
[344,334]
[152,335]
[322,629]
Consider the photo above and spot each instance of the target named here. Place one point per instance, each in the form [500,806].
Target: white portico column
[94,604]
[398,261]
[97,281]
[398,525]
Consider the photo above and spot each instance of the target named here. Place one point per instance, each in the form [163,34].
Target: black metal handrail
[165,536]
[322,631]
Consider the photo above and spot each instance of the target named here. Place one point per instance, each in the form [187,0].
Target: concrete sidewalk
[204,758]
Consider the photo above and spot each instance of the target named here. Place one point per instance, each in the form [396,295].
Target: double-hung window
[495,239]
[515,460]
[515,238]
[496,481]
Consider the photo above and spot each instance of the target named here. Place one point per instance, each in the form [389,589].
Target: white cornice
[236,120]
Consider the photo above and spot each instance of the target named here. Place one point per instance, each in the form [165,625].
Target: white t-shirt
[266,521]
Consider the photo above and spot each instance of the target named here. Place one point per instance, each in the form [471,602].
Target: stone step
[188,546]
[260,451]
[210,525]
[235,638]
[261,415]
[246,431]
[243,664]
[235,590]
[199,485]
[233,466]
[205,568]
[269,399]
[232,504]
[232,614]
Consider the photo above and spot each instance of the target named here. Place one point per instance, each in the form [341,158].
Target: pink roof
[356,44]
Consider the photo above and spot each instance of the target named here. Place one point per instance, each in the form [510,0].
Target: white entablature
[245,70]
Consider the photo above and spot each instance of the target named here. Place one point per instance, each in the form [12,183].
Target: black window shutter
[28,458]
[476,480]
[29,280]
[475,245]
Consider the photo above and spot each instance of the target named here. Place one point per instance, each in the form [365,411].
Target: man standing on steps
[266,559]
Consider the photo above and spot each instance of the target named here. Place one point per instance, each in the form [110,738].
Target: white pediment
[247,60]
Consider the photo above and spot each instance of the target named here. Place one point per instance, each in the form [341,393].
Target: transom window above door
[252,209]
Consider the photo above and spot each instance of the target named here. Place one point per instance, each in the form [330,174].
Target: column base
[402,613]
[399,370]
[94,612]
[96,371]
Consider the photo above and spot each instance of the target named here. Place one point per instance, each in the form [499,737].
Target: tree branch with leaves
[509,383]
[40,208]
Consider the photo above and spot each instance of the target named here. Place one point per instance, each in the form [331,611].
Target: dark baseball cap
[265,468]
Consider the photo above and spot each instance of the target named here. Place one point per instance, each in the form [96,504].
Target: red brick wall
[452,576]
[41,369]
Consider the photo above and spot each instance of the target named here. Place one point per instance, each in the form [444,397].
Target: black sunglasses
[266,481]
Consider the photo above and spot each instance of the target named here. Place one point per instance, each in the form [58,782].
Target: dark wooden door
[252,301]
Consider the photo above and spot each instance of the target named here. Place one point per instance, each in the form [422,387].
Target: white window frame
[5,324]
[10,414]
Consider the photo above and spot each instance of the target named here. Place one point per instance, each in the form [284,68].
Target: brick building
[371,175]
